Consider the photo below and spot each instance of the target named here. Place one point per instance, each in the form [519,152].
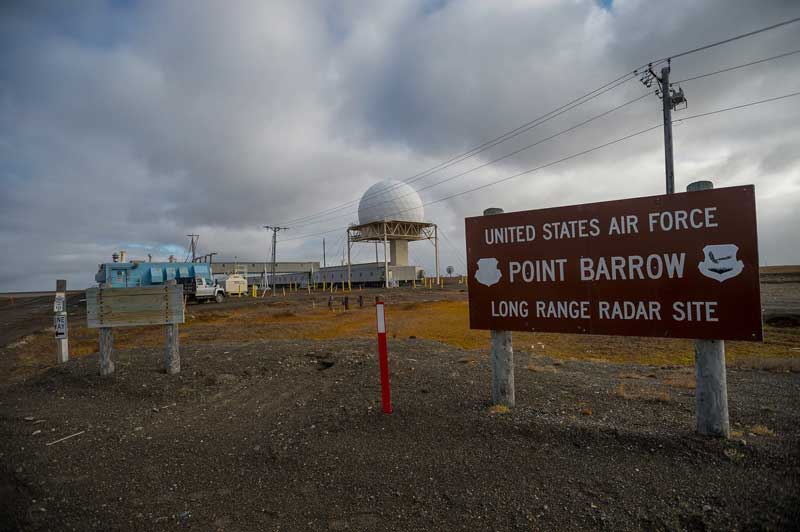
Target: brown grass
[681,380]
[630,375]
[762,430]
[444,321]
[469,361]
[778,365]
[780,269]
[499,410]
[532,366]
[642,394]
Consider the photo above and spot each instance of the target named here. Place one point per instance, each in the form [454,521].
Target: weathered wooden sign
[679,265]
[118,307]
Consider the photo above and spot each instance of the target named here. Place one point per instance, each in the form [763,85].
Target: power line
[729,69]
[521,129]
[327,219]
[453,247]
[578,154]
[731,39]
[486,145]
[493,161]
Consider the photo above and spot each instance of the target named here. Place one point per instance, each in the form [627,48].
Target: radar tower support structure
[399,234]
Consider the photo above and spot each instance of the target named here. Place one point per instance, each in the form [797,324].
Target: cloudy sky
[128,124]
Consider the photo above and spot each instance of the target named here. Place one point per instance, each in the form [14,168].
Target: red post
[383,358]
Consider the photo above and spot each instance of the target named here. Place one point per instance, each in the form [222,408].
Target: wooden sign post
[107,308]
[60,321]
[711,388]
[502,357]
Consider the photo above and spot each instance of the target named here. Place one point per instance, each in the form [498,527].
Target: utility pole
[193,245]
[666,104]
[274,229]
[324,263]
[670,99]
[711,391]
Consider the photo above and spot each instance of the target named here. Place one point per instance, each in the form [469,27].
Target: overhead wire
[583,152]
[556,135]
[481,148]
[729,40]
[453,247]
[729,69]
[493,161]
[521,129]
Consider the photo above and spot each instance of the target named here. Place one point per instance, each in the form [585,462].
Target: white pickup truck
[204,291]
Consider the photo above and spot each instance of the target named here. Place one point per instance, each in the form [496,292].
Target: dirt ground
[274,423]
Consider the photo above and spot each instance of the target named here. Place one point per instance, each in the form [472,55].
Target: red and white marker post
[383,358]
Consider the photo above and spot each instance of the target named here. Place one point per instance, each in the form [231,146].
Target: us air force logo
[720,262]
[487,273]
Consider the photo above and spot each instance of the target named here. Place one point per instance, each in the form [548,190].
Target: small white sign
[60,324]
[488,273]
[59,303]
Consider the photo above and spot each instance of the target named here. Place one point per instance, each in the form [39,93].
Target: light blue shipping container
[131,274]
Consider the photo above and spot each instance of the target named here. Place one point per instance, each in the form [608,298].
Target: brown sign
[680,265]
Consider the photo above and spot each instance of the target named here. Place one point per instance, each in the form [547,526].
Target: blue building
[131,274]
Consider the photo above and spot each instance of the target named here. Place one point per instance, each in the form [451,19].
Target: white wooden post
[60,311]
[385,258]
[106,350]
[172,356]
[711,388]
[436,250]
[502,357]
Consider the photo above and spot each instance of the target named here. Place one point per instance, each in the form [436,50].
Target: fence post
[711,388]
[502,357]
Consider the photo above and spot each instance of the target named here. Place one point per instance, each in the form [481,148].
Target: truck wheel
[219,297]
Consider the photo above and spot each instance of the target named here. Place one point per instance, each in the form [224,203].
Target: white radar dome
[390,200]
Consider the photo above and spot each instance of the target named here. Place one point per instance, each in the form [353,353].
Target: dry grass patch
[629,375]
[540,369]
[681,380]
[641,393]
[778,365]
[733,455]
[761,430]
[499,409]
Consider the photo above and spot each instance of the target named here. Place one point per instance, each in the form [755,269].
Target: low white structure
[236,284]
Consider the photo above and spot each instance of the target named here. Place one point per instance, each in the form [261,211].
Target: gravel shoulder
[288,435]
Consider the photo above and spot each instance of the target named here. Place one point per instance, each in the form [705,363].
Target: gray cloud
[133,124]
